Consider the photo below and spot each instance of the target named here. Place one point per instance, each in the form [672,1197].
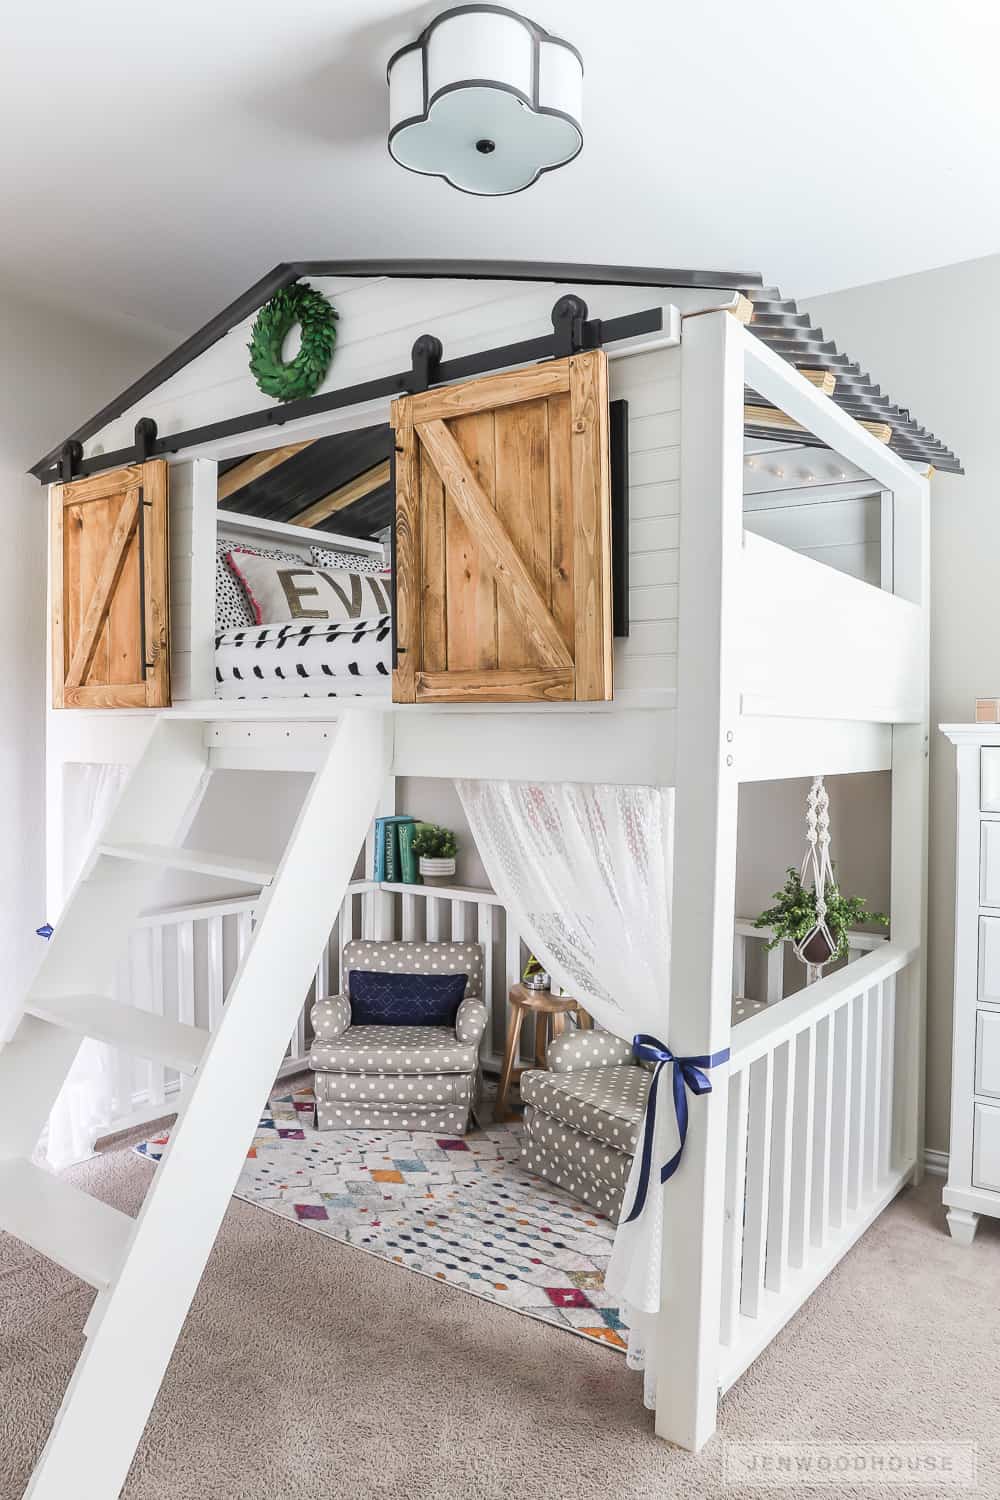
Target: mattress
[317,659]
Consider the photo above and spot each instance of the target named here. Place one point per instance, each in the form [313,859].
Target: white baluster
[346,925]
[513,970]
[873,1094]
[409,918]
[184,936]
[802,1147]
[323,973]
[213,957]
[858,1099]
[128,1082]
[485,931]
[460,913]
[434,905]
[385,915]
[739,966]
[775,984]
[885,1149]
[842,1124]
[157,1073]
[758,1183]
[823,1133]
[780,1185]
[735,1204]
[244,932]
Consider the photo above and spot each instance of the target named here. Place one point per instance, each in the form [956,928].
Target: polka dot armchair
[583,1114]
[384,1077]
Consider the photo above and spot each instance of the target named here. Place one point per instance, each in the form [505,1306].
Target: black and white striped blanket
[321,659]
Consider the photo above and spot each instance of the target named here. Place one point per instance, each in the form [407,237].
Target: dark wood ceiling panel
[315,471]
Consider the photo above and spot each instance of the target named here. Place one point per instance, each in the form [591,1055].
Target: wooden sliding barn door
[110,618]
[503,537]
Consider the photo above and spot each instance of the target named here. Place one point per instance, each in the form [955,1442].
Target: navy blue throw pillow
[380,999]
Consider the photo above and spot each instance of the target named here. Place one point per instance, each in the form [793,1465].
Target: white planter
[437,870]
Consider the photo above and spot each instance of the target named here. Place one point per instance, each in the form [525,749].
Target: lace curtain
[586,871]
[86,1101]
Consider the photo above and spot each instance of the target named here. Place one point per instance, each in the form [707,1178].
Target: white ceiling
[155,159]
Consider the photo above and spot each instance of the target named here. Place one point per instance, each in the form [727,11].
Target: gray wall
[931,341]
[771,833]
[55,370]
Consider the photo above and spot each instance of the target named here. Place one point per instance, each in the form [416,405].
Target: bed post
[908,890]
[707,783]
[378,907]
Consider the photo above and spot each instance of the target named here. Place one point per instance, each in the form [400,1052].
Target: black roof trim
[474,270]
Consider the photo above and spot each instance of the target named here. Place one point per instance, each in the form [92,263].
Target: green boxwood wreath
[301,376]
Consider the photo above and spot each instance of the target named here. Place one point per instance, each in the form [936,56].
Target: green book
[407,859]
[391,860]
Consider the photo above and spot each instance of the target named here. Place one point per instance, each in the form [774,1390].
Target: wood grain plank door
[110,599]
[503,538]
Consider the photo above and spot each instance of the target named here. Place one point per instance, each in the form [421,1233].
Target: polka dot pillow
[232,607]
[348,562]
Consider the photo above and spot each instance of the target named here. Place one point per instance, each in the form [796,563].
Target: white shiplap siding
[646,661]
[192,579]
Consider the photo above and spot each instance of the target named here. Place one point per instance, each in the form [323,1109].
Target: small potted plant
[794,919]
[436,848]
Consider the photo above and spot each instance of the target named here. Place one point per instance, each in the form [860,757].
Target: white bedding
[305,659]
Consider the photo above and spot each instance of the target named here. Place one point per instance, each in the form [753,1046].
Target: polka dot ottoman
[583,1115]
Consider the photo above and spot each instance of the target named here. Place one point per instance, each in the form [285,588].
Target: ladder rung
[136,1031]
[198,861]
[83,1235]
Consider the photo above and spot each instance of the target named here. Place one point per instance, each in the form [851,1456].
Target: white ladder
[146,1270]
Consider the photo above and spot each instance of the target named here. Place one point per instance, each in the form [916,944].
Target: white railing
[180,964]
[814,1149]
[749,944]
[182,960]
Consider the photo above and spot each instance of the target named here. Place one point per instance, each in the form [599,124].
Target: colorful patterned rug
[459,1210]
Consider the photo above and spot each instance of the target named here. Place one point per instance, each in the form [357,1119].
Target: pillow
[380,999]
[348,562]
[280,591]
[232,607]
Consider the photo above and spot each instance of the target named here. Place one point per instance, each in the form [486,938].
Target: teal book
[408,864]
[378,847]
[387,862]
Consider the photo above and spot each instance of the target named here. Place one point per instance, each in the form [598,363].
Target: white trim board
[231,520]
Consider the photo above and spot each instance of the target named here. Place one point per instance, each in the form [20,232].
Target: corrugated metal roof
[777,322]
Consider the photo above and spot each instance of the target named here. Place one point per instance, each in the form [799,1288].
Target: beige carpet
[309,1370]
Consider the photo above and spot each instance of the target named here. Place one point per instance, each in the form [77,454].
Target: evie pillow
[380,999]
[232,607]
[280,591]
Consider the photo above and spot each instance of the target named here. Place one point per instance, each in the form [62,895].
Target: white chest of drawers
[974,1164]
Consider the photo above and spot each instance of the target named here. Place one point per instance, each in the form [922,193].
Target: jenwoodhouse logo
[848,1466]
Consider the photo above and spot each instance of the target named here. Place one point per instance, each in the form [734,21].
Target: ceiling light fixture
[485,99]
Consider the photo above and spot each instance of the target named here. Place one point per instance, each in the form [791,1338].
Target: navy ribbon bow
[689,1073]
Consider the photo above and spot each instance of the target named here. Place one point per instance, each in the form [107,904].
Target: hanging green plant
[794,916]
[299,304]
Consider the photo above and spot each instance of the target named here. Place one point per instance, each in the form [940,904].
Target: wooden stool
[550,1013]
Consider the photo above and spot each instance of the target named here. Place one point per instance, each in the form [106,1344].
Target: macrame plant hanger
[819,944]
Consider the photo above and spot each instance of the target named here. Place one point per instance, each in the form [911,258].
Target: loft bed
[735,446]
